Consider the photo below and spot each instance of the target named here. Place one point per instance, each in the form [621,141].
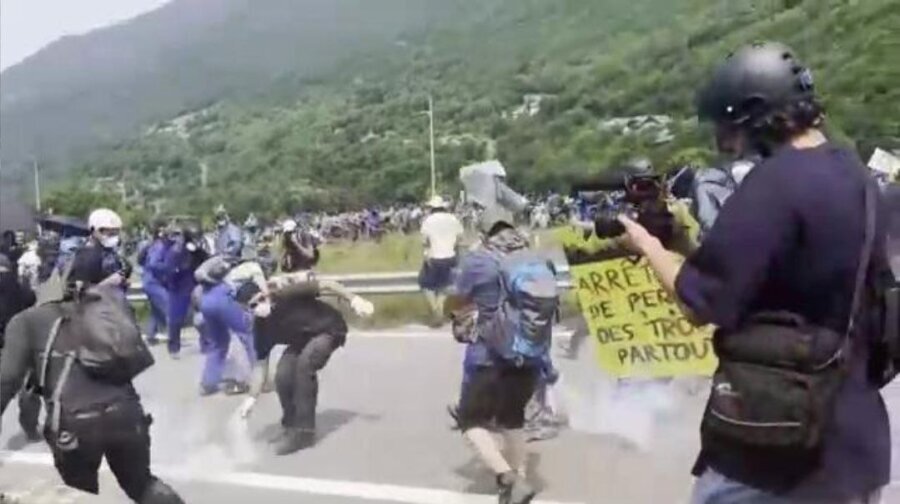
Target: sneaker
[295,440]
[514,489]
[236,388]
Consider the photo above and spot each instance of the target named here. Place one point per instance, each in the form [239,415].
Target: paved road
[385,438]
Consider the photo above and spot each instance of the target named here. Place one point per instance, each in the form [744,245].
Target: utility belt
[63,432]
[96,411]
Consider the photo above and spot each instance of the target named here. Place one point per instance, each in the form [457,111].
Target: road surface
[385,438]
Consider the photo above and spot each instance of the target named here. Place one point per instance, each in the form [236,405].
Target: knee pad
[160,493]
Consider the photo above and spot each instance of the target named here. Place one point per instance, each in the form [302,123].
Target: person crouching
[293,314]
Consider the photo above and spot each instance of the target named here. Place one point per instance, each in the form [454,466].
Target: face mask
[263,309]
[221,222]
[109,242]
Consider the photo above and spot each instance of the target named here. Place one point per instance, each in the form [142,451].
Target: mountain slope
[352,133]
[84,90]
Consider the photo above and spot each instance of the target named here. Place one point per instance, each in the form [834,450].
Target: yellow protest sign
[639,331]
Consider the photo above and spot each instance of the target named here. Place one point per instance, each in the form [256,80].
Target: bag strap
[865,257]
[57,391]
[63,377]
[48,351]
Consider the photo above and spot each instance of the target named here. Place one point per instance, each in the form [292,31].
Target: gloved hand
[247,407]
[362,307]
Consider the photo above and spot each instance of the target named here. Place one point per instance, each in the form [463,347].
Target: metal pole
[37,184]
[431,133]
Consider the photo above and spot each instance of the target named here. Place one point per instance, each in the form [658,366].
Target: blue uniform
[179,274]
[222,316]
[229,241]
[153,283]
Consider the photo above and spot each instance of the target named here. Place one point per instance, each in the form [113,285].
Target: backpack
[522,325]
[884,365]
[101,336]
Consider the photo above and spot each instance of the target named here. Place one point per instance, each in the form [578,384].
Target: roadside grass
[395,253]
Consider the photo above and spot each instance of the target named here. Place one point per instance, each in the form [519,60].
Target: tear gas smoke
[635,410]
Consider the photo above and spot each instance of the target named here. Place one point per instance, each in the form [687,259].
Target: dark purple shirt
[789,239]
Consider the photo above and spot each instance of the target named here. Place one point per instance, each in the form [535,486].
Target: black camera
[639,195]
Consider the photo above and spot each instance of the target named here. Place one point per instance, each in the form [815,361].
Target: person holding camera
[99,259]
[786,275]
[181,259]
[299,250]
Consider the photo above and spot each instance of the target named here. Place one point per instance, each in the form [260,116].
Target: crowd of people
[792,269]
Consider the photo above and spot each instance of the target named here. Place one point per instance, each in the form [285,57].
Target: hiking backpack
[522,326]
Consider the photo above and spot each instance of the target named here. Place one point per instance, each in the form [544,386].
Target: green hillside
[354,134]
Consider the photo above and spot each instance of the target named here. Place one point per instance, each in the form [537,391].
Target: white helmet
[289,226]
[104,218]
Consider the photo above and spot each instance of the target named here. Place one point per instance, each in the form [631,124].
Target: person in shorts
[441,236]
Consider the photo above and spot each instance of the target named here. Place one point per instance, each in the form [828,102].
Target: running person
[495,391]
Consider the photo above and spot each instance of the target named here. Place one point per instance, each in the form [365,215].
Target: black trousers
[120,433]
[297,382]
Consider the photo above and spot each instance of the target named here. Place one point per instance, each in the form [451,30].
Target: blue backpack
[521,328]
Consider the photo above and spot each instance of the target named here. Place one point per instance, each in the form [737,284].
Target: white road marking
[335,488]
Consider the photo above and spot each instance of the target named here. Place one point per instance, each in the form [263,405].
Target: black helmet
[639,166]
[753,82]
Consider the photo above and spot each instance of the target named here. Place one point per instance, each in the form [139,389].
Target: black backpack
[884,318]
[100,335]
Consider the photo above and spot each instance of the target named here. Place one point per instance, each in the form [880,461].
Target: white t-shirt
[443,230]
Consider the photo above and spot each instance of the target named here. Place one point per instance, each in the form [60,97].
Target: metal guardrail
[373,284]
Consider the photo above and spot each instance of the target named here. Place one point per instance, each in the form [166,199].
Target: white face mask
[109,242]
[263,309]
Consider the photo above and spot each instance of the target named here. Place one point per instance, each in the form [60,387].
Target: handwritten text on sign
[638,328]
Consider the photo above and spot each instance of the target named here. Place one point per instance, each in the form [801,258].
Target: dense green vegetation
[355,134]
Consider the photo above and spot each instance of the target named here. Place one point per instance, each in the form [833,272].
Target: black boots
[514,489]
[295,440]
